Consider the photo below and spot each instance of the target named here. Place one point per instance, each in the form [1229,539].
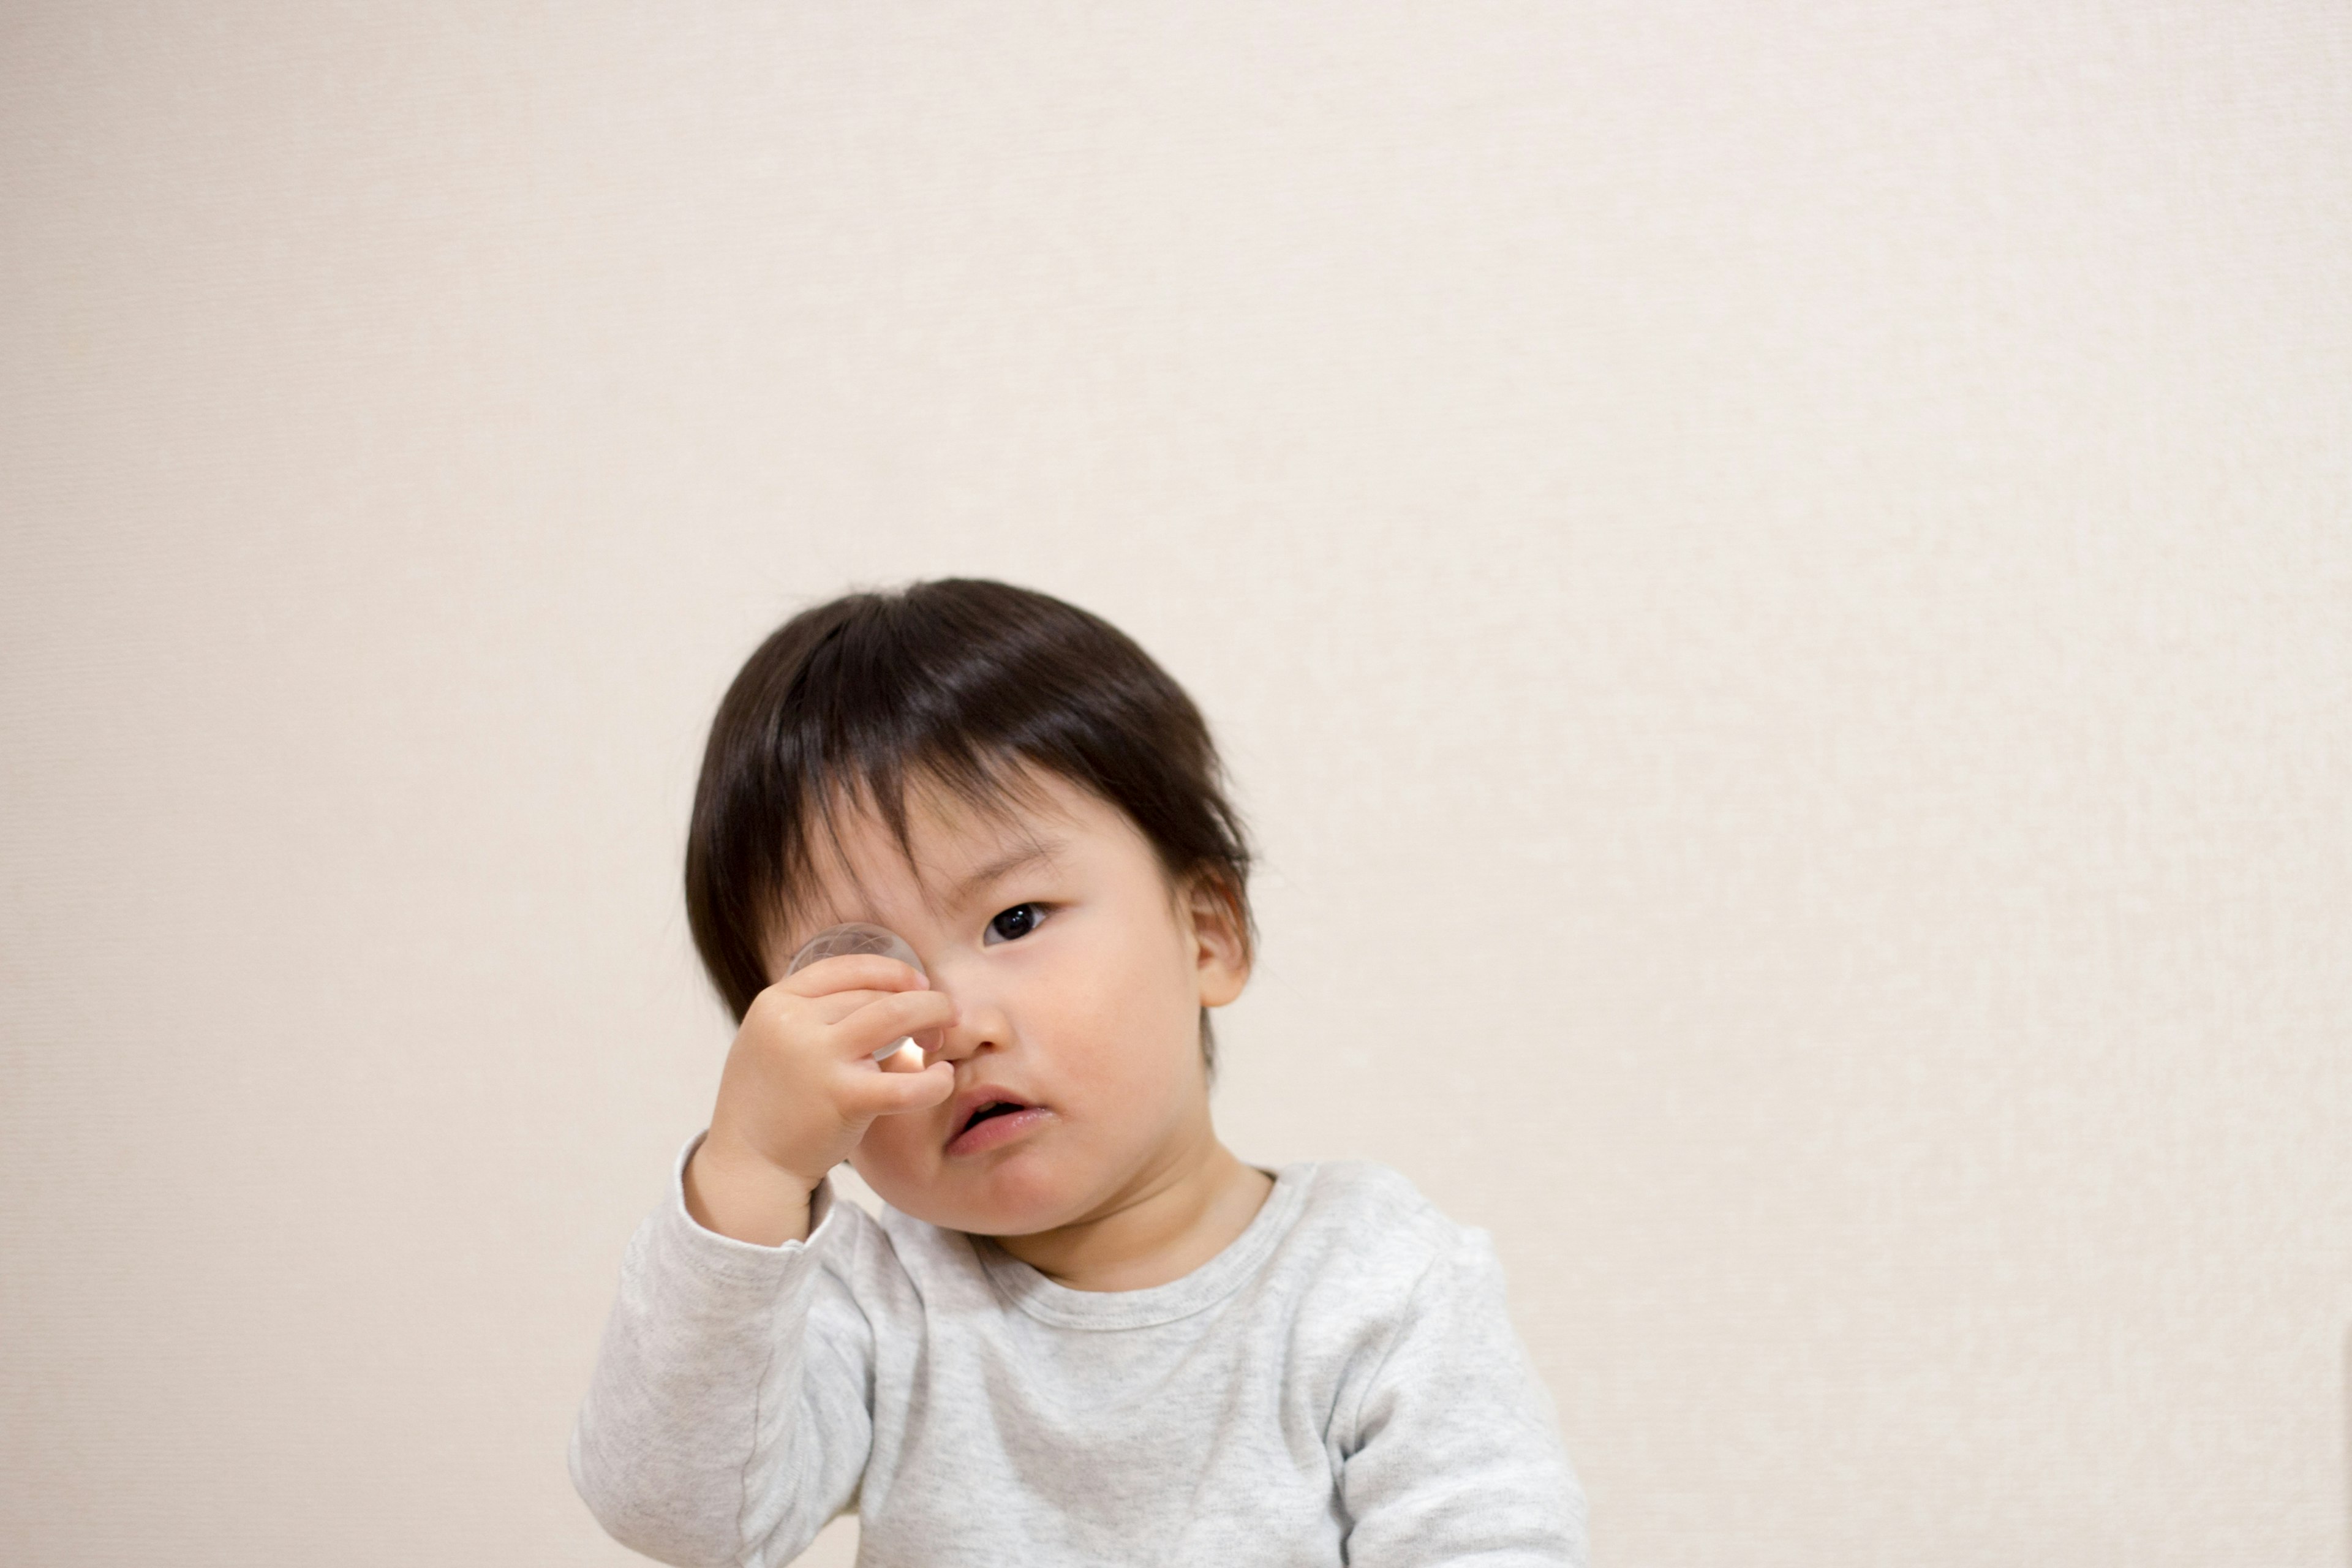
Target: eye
[1013,924]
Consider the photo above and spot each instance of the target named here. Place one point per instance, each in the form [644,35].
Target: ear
[1220,939]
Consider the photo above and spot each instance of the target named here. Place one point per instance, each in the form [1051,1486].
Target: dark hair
[954,683]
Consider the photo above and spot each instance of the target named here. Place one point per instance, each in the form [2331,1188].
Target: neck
[1172,1219]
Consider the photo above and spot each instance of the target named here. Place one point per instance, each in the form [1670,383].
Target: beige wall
[1789,567]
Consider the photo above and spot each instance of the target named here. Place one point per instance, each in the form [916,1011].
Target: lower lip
[997,1130]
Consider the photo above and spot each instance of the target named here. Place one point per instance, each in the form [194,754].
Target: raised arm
[729,1416]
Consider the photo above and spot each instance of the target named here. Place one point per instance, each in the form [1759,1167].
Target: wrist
[740,1194]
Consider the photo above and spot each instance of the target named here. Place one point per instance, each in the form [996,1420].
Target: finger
[840,1004]
[852,971]
[895,1094]
[885,1020]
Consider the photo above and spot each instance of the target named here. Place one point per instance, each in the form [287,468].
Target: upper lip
[960,1108]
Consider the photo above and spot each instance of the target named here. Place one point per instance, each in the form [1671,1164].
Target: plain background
[1776,579]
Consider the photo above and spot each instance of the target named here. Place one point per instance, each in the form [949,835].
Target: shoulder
[1366,1193]
[1365,1234]
[1378,1280]
[1366,1203]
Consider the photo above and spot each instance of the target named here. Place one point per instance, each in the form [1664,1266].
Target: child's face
[1077,980]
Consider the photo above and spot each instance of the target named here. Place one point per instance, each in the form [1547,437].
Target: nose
[980,1025]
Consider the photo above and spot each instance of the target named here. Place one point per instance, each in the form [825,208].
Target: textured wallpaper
[1776,581]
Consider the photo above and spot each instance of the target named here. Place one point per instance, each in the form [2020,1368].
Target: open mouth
[994,1123]
[993,1107]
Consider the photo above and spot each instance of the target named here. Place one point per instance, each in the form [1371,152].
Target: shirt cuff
[726,1255]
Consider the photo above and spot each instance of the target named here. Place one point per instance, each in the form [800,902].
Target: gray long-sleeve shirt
[1339,1385]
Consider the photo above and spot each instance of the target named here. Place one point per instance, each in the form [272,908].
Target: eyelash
[1036,920]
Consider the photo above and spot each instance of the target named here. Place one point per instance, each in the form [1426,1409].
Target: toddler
[1082,1331]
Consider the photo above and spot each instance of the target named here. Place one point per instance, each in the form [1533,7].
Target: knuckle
[773,1003]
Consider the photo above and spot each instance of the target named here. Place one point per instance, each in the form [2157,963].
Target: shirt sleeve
[729,1415]
[1455,1453]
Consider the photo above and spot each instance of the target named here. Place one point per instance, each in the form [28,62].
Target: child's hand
[800,1085]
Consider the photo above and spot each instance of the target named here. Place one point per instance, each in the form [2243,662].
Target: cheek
[895,1145]
[1138,989]
[1146,1025]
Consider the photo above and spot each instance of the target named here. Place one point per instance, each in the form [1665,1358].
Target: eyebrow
[1036,852]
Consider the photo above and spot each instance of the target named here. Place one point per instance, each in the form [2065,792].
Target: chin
[1014,1199]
